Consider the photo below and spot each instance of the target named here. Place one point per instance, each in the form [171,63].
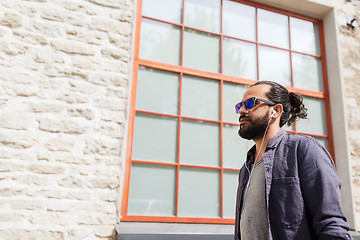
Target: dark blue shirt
[302,190]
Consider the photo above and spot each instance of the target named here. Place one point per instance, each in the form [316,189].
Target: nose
[243,110]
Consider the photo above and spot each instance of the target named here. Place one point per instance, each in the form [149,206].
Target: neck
[262,141]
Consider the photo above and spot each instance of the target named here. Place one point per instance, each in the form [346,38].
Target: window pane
[168,10]
[304,36]
[203,14]
[230,182]
[288,128]
[160,42]
[239,59]
[274,65]
[200,143]
[152,190]
[157,91]
[307,72]
[239,20]
[200,98]
[199,192]
[155,138]
[232,94]
[273,29]
[201,51]
[323,141]
[234,147]
[316,120]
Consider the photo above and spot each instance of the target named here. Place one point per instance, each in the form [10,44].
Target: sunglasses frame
[239,105]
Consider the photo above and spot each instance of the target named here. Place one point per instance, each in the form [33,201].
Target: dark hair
[293,106]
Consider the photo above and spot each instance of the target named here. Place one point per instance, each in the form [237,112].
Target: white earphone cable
[262,141]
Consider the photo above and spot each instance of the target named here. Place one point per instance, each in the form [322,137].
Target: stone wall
[64,81]
[349,40]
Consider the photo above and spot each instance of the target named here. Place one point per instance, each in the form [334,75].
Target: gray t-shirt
[253,221]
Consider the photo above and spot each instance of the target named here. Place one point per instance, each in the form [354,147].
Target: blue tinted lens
[250,103]
[238,106]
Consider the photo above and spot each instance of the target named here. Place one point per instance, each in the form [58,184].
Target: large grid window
[194,59]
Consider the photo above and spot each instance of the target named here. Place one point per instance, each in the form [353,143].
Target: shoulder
[300,140]
[304,145]
[308,149]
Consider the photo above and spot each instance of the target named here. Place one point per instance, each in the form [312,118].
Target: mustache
[244,117]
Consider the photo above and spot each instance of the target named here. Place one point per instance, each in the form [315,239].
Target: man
[288,188]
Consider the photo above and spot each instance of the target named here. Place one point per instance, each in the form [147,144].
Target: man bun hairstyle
[293,106]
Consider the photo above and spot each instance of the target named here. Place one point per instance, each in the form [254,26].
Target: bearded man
[288,187]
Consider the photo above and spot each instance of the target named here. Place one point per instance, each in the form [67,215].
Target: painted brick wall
[64,82]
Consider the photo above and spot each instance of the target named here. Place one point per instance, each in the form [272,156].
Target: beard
[256,127]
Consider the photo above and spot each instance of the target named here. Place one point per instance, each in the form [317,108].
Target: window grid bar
[307,54]
[326,90]
[178,149]
[178,116]
[163,21]
[124,205]
[219,122]
[179,123]
[182,165]
[291,66]
[257,44]
[218,76]
[221,115]
[131,218]
[231,37]
[290,55]
[154,162]
[277,10]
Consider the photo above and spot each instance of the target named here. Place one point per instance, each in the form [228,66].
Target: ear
[277,111]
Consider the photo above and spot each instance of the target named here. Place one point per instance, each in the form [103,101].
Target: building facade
[117,116]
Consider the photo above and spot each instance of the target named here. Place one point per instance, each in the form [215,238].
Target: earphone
[273,113]
[267,126]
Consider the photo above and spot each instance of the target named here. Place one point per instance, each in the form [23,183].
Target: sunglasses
[251,102]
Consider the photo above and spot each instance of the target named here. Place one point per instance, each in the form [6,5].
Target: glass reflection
[151,8]
[316,120]
[274,65]
[234,147]
[307,72]
[232,94]
[304,36]
[155,138]
[160,42]
[199,192]
[200,98]
[324,142]
[203,14]
[152,190]
[239,20]
[273,29]
[239,59]
[230,181]
[201,51]
[157,91]
[200,143]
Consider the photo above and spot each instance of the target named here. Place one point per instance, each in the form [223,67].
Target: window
[193,61]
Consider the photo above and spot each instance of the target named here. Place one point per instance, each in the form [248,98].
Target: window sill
[174,231]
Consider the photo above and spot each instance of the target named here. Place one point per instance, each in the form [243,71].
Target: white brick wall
[64,79]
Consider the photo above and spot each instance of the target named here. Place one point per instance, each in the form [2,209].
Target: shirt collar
[271,144]
[276,139]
